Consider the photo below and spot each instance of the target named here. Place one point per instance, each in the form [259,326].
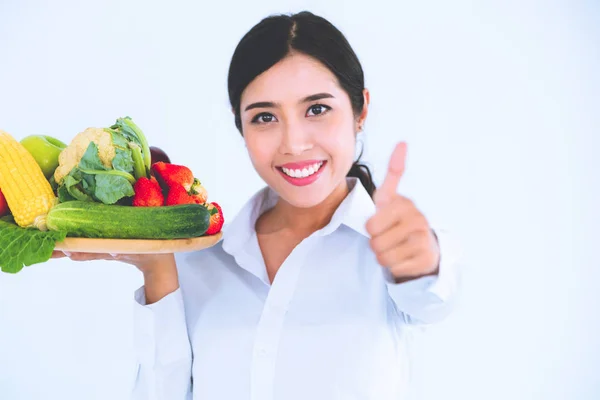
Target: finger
[90,256]
[397,255]
[419,265]
[388,188]
[401,209]
[58,254]
[398,235]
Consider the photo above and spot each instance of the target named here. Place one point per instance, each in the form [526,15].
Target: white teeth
[302,173]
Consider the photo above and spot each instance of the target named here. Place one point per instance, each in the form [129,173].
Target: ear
[365,111]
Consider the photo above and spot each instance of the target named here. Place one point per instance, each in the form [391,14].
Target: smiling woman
[310,293]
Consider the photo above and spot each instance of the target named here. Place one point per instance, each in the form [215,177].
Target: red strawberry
[3,205]
[178,195]
[170,174]
[216,218]
[148,193]
[176,177]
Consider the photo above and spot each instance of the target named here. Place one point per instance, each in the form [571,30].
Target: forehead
[294,77]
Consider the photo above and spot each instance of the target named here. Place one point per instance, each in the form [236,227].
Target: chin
[306,199]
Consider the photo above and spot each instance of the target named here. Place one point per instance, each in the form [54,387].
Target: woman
[312,290]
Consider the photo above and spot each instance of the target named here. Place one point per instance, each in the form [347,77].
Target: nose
[295,139]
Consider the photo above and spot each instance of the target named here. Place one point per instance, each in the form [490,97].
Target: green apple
[45,151]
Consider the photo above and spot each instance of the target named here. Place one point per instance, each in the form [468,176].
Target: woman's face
[300,129]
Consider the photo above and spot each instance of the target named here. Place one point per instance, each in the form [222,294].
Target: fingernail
[67,253]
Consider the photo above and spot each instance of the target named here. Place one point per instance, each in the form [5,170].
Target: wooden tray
[137,246]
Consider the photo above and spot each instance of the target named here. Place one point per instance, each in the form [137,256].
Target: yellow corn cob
[28,193]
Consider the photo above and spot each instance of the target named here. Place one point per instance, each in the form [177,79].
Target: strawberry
[180,184]
[178,195]
[170,174]
[3,205]
[216,218]
[148,193]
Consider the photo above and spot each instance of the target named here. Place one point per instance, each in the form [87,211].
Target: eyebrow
[270,104]
[317,96]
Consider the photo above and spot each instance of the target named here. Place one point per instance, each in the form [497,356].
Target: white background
[500,105]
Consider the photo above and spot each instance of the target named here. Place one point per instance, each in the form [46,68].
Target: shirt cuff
[160,329]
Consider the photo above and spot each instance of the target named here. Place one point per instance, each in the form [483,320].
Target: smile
[302,174]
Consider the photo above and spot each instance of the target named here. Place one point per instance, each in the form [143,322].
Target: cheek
[261,148]
[340,141]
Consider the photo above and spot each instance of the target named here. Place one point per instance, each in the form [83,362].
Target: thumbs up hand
[400,234]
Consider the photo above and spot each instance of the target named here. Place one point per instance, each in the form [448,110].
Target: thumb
[388,188]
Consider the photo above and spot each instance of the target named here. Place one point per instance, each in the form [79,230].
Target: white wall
[500,104]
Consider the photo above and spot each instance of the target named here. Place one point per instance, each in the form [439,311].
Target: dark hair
[273,38]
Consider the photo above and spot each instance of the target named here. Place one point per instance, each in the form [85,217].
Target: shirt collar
[354,212]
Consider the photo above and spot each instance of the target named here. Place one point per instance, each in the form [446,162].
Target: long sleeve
[430,299]
[162,349]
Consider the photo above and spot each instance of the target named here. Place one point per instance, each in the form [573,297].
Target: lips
[302,173]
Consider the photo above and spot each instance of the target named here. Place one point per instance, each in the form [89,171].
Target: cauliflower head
[70,156]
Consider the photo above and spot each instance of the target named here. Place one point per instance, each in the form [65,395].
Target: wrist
[159,281]
[158,266]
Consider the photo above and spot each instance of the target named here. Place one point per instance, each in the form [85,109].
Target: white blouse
[333,325]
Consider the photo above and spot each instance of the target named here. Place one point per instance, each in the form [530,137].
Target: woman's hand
[147,263]
[401,237]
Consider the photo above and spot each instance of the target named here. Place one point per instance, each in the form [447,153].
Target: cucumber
[97,220]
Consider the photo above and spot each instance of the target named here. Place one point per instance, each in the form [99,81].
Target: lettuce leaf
[21,247]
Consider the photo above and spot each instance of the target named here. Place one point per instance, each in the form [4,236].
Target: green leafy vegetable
[133,133]
[111,188]
[92,180]
[21,247]
[64,195]
[123,161]
[88,183]
[91,159]
[119,141]
[72,182]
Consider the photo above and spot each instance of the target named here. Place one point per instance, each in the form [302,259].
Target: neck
[305,221]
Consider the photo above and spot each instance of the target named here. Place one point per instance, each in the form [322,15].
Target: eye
[263,118]
[317,109]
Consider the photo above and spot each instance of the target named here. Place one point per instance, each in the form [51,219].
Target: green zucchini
[98,220]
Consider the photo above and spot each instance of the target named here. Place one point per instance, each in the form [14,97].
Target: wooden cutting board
[137,246]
